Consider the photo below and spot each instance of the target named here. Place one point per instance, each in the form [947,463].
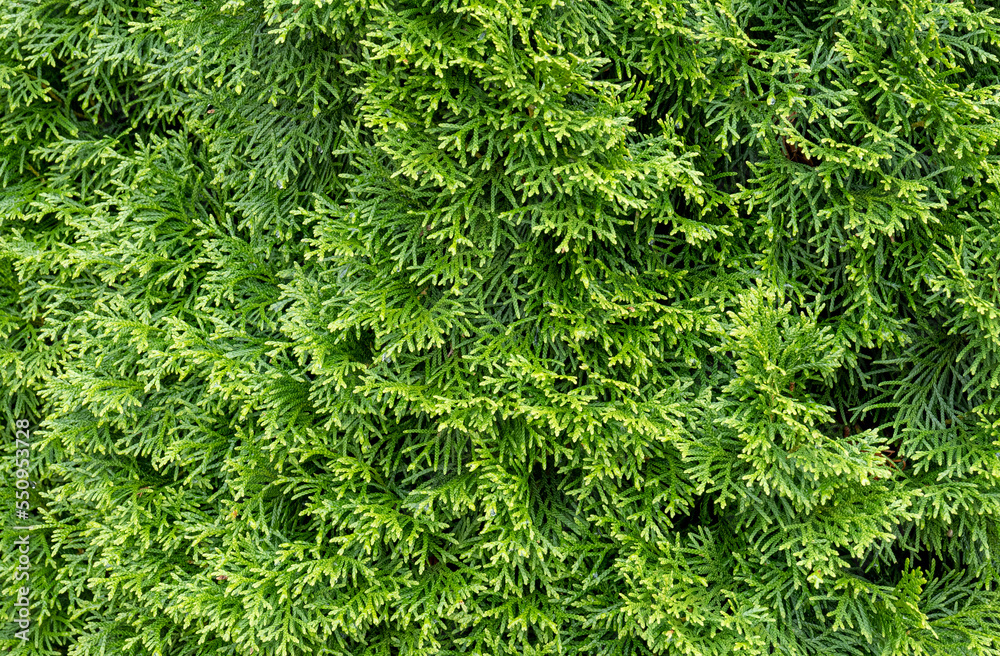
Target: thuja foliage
[597,327]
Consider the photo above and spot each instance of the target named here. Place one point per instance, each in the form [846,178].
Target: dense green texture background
[600,327]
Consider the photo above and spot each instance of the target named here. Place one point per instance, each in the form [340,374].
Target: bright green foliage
[584,327]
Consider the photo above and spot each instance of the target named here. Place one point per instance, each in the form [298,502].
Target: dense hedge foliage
[590,327]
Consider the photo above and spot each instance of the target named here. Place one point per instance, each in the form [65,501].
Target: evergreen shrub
[583,327]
